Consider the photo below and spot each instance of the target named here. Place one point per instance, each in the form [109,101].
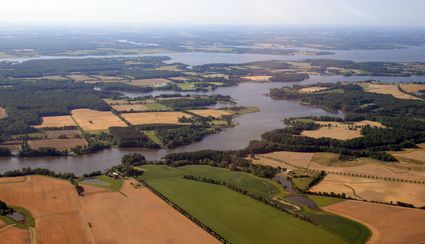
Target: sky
[214,12]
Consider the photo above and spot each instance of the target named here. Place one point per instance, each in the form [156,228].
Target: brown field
[150,82]
[13,235]
[56,122]
[295,158]
[81,78]
[338,130]
[119,101]
[130,107]
[412,88]
[147,118]
[373,189]
[54,134]
[169,68]
[59,144]
[106,78]
[386,89]
[389,224]
[53,203]
[257,77]
[3,113]
[216,113]
[216,76]
[91,120]
[142,218]
[414,156]
[313,89]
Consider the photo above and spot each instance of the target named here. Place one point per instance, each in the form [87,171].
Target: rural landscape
[209,122]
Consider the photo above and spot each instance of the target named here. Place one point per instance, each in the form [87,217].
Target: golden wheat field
[91,120]
[56,122]
[147,118]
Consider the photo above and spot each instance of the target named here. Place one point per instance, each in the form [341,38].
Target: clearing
[215,113]
[91,120]
[56,134]
[3,113]
[257,77]
[154,118]
[313,89]
[56,122]
[389,224]
[339,130]
[390,89]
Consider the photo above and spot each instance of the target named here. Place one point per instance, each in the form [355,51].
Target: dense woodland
[131,137]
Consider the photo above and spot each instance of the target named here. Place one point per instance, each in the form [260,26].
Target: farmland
[148,118]
[59,144]
[412,88]
[13,234]
[91,120]
[3,113]
[150,82]
[312,89]
[130,107]
[391,89]
[339,130]
[56,122]
[257,78]
[209,112]
[389,224]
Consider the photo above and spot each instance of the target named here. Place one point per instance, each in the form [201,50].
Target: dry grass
[59,144]
[339,130]
[150,82]
[169,68]
[216,113]
[386,89]
[142,218]
[55,134]
[373,189]
[300,159]
[13,235]
[81,78]
[106,78]
[389,224]
[412,88]
[54,205]
[313,89]
[91,120]
[130,107]
[3,113]
[257,77]
[154,118]
[56,122]
[416,156]
[216,76]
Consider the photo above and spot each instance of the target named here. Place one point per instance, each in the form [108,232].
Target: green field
[238,218]
[106,182]
[157,107]
[152,135]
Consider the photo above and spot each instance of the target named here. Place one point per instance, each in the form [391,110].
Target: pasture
[147,118]
[130,108]
[390,89]
[339,130]
[389,224]
[91,120]
[56,122]
[59,144]
[312,89]
[55,134]
[215,113]
[231,214]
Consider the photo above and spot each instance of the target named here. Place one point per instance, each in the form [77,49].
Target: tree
[133,159]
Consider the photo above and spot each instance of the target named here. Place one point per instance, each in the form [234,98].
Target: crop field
[373,189]
[233,215]
[386,89]
[82,78]
[389,224]
[116,101]
[13,235]
[55,134]
[338,130]
[154,118]
[106,78]
[296,158]
[56,122]
[59,144]
[414,156]
[91,120]
[412,88]
[216,113]
[54,205]
[130,107]
[3,113]
[313,89]
[257,77]
[150,82]
[142,218]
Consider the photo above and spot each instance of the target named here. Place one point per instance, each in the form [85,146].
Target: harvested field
[373,189]
[3,113]
[169,68]
[412,88]
[54,205]
[257,77]
[210,112]
[130,107]
[386,89]
[389,224]
[55,134]
[82,78]
[142,218]
[116,101]
[56,122]
[91,120]
[59,144]
[13,235]
[150,82]
[313,89]
[340,131]
[415,156]
[295,158]
[106,78]
[154,118]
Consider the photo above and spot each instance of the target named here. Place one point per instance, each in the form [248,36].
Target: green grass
[303,182]
[157,107]
[152,135]
[186,86]
[323,201]
[238,218]
[29,219]
[110,183]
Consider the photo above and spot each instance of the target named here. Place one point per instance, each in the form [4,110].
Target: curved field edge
[29,219]
[238,218]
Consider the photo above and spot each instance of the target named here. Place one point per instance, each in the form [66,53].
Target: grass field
[338,130]
[313,89]
[257,77]
[130,107]
[91,120]
[389,224]
[106,182]
[152,135]
[56,122]
[215,113]
[59,144]
[3,113]
[390,89]
[412,88]
[150,82]
[187,86]
[157,107]
[55,134]
[81,78]
[154,118]
[238,218]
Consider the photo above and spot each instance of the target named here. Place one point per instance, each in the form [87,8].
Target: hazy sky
[214,12]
